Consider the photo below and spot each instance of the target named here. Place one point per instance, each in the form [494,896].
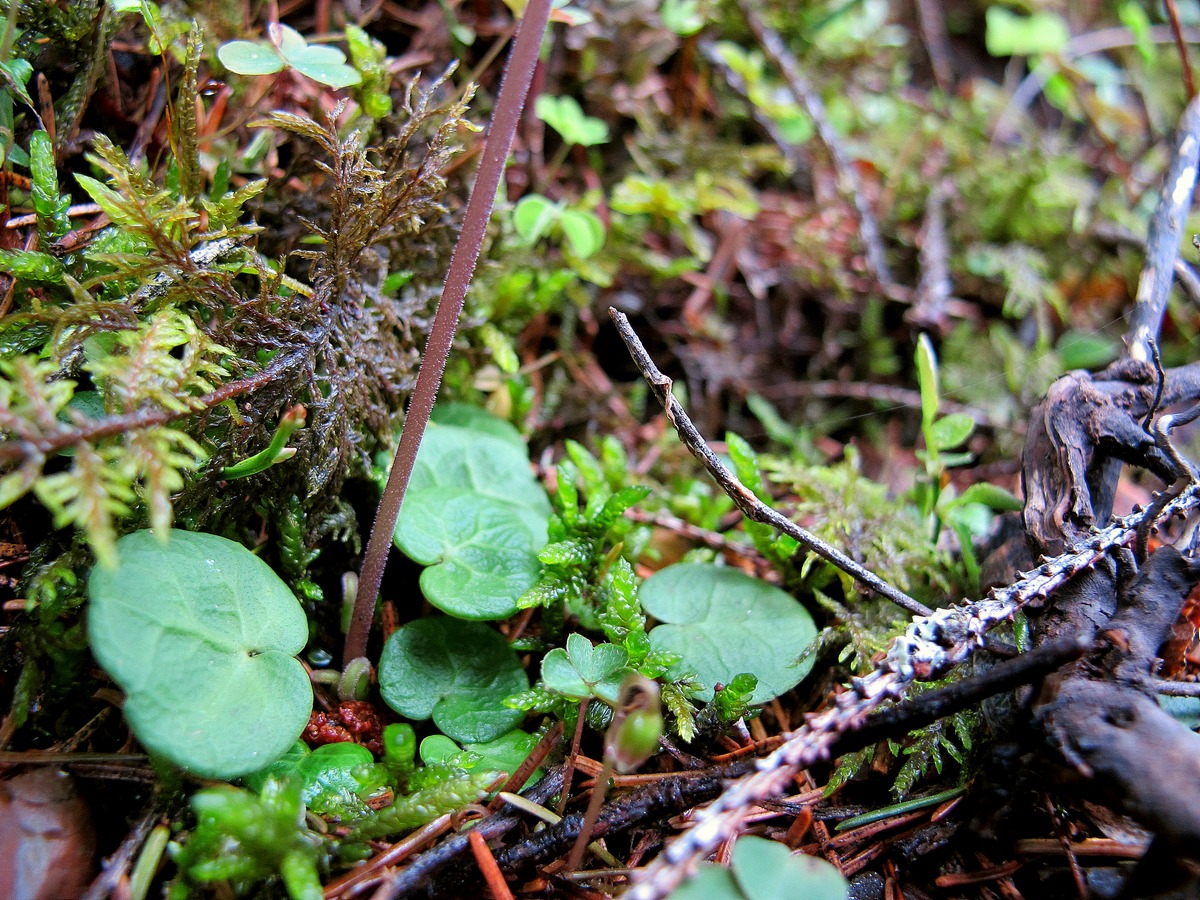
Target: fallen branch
[753,508]
[848,181]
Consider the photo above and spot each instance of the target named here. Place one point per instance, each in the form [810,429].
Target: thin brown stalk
[1189,80]
[753,508]
[514,87]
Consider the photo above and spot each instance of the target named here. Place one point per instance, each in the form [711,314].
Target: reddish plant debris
[353,721]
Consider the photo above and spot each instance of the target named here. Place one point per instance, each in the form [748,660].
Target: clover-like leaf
[582,670]
[326,65]
[202,635]
[457,673]
[565,115]
[722,623]
[250,58]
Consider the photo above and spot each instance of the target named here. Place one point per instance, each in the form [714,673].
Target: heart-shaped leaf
[457,673]
[453,456]
[464,415]
[723,623]
[475,514]
[478,550]
[201,635]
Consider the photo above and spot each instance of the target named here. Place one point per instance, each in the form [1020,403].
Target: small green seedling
[968,513]
[765,870]
[723,623]
[202,637]
[535,216]
[1010,34]
[457,673]
[276,452]
[243,837]
[581,671]
[565,115]
[683,17]
[631,738]
[288,48]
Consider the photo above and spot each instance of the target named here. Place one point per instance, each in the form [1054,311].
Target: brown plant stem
[1189,80]
[28,444]
[514,87]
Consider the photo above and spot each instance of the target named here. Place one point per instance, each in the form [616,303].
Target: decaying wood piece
[1100,715]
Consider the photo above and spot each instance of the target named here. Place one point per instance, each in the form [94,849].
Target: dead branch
[747,502]
[848,181]
[1162,240]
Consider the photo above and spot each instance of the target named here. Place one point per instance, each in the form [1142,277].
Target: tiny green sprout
[565,115]
[631,739]
[288,48]
[683,17]
[277,451]
[355,680]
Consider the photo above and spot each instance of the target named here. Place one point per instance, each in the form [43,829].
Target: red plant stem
[1189,80]
[514,87]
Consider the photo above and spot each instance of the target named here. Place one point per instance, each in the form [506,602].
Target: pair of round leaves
[474,515]
[723,623]
[202,636]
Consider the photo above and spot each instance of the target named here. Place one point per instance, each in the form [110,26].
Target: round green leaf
[452,456]
[250,58]
[464,415]
[767,870]
[710,882]
[533,216]
[723,623]
[584,231]
[201,635]
[457,673]
[478,550]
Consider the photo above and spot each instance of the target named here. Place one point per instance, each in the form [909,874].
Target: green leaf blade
[723,623]
[201,635]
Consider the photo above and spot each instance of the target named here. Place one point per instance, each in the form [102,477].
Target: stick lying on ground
[929,648]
